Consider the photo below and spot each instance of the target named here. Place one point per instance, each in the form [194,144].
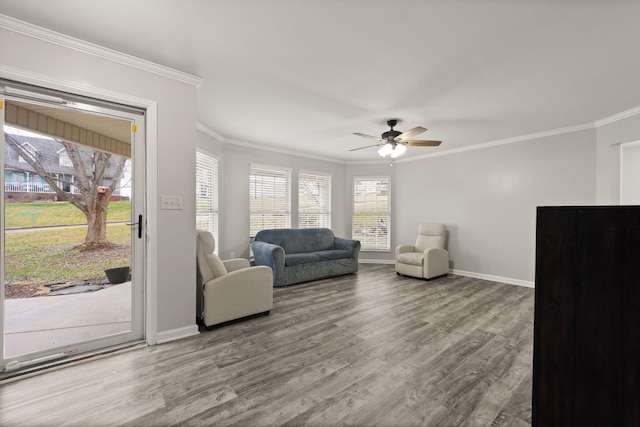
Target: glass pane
[371,208]
[67,243]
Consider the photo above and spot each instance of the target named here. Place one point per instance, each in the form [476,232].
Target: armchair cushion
[215,265]
[430,235]
[411,258]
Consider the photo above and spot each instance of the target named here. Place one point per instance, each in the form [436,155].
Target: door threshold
[31,370]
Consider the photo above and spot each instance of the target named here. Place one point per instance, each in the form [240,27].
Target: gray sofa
[301,255]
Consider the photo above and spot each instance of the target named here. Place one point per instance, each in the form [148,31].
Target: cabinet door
[556,264]
[630,329]
[598,345]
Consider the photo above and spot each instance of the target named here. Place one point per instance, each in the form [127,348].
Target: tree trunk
[97,221]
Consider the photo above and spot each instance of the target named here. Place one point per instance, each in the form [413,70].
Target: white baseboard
[491,278]
[176,334]
[482,276]
[376,261]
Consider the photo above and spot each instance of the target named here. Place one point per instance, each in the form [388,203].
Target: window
[64,159]
[314,200]
[269,198]
[371,212]
[207,194]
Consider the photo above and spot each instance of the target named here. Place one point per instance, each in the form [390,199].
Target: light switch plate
[171,202]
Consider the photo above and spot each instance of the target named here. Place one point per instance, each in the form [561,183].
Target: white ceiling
[304,75]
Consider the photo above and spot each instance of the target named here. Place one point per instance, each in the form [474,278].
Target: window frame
[367,245]
[324,206]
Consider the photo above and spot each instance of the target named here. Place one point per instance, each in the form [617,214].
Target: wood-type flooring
[365,349]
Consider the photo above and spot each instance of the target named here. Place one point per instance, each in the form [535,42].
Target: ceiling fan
[393,143]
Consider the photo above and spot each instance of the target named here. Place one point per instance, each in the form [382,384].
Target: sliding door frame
[149,304]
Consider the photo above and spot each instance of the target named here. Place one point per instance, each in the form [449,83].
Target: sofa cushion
[333,254]
[296,259]
[411,258]
[295,241]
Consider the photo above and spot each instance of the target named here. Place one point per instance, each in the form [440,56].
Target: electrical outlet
[170,202]
[233,254]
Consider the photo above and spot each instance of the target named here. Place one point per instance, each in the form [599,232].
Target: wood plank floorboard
[371,348]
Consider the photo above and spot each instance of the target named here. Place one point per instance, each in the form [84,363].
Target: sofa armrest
[236,264]
[270,255]
[404,248]
[350,245]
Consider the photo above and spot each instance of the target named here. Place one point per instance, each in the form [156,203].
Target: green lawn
[47,214]
[48,256]
[52,255]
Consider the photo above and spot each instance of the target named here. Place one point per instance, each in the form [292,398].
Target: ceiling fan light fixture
[398,151]
[386,149]
[394,142]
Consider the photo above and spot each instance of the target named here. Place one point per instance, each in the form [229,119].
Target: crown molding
[387,161]
[50,36]
[208,131]
[616,117]
[512,140]
[281,151]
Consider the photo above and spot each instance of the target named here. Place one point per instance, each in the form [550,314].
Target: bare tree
[90,167]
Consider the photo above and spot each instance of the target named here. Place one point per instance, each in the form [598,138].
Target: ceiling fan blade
[367,146]
[368,136]
[411,132]
[421,143]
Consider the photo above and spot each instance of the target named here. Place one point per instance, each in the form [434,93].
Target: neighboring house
[21,182]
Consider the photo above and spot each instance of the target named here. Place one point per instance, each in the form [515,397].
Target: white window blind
[269,198]
[207,194]
[372,212]
[314,200]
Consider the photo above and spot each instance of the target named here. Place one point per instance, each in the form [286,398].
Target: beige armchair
[427,258]
[231,289]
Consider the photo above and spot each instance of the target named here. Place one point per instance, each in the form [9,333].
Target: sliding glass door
[73,229]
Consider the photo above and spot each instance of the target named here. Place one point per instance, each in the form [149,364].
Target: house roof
[304,76]
[48,152]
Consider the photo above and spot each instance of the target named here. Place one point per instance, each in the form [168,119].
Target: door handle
[139,224]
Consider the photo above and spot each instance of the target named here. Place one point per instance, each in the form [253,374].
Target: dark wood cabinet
[587,317]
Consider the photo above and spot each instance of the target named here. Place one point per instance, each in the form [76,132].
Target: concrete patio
[34,324]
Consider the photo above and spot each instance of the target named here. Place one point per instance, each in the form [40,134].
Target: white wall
[487,198]
[36,61]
